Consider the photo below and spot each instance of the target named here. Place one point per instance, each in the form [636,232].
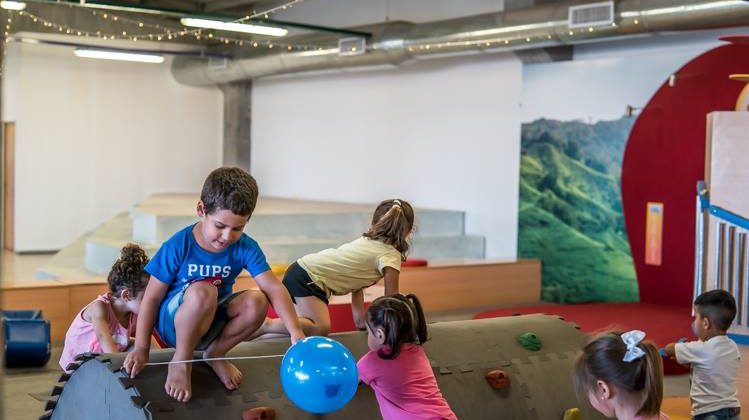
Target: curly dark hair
[230,189]
[128,272]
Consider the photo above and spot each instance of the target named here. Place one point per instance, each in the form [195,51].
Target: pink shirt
[81,336]
[405,386]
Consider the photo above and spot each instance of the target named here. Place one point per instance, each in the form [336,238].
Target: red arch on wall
[664,159]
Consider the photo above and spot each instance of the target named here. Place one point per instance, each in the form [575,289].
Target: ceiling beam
[241,6]
[224,5]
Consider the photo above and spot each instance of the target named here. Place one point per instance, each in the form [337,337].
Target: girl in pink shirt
[621,376]
[104,325]
[396,367]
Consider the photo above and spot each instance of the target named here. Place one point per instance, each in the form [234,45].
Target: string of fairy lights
[6,34]
[156,32]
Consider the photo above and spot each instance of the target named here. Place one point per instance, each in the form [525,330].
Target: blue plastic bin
[27,338]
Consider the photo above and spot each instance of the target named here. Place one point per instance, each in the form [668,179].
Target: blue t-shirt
[180,261]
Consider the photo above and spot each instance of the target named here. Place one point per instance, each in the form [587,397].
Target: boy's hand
[299,336]
[135,361]
[669,351]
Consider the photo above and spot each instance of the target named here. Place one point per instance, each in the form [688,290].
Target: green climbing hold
[530,341]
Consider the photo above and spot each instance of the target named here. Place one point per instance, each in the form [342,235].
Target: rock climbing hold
[498,379]
[530,341]
[571,414]
[259,413]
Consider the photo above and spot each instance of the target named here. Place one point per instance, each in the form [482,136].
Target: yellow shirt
[351,266]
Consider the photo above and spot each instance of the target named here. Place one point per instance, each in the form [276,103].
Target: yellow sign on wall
[653,233]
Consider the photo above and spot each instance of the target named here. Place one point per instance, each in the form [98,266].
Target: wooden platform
[449,285]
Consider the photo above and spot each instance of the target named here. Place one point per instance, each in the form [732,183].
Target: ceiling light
[118,55]
[234,27]
[12,5]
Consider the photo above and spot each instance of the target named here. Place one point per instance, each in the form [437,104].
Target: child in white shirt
[714,358]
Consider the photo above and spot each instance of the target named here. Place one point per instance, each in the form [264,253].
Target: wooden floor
[18,270]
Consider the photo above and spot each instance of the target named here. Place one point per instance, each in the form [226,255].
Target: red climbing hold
[259,413]
[498,379]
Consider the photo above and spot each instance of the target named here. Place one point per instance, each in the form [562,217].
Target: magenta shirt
[405,386]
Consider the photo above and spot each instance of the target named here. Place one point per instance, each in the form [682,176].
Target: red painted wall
[664,159]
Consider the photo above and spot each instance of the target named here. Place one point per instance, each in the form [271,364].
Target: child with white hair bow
[621,376]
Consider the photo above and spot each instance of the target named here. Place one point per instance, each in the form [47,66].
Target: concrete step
[157,218]
[281,251]
[101,253]
[286,230]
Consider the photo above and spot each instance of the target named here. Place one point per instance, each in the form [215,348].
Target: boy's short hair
[230,189]
[718,306]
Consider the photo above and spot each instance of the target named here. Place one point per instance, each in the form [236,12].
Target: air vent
[591,15]
[352,46]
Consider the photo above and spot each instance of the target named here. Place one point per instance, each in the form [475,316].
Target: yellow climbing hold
[571,414]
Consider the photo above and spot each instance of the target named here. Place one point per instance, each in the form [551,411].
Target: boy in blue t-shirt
[189,297]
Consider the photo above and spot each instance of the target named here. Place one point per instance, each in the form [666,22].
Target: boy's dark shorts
[299,284]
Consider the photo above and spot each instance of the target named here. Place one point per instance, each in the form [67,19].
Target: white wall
[441,135]
[94,137]
[614,74]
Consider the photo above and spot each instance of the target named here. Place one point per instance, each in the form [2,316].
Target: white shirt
[715,364]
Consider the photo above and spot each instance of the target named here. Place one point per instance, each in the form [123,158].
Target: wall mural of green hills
[570,214]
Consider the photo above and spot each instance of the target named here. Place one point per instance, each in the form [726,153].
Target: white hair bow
[632,339]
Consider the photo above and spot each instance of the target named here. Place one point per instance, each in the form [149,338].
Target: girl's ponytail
[653,373]
[420,324]
[392,222]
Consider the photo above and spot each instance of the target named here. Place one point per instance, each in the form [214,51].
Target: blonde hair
[392,222]
[640,380]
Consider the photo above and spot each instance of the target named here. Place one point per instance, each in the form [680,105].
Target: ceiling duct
[394,43]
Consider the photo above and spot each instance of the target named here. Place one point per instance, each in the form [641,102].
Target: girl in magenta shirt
[397,368]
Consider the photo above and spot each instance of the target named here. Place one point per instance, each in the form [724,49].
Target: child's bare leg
[313,317]
[192,320]
[276,326]
[246,314]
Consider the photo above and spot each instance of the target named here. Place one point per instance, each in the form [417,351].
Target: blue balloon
[319,375]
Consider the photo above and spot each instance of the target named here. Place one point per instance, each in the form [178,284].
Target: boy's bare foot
[178,382]
[227,373]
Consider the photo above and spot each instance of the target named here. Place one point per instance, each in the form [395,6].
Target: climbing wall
[534,353]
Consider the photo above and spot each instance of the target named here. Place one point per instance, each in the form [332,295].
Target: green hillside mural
[571,209]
